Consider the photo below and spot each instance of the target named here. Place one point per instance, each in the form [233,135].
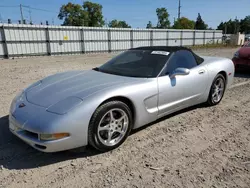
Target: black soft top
[170,49]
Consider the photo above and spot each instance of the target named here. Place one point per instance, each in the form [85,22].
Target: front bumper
[33,140]
[240,63]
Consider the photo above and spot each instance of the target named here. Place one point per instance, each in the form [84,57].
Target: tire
[108,132]
[211,101]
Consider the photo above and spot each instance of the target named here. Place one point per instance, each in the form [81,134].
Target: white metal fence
[27,40]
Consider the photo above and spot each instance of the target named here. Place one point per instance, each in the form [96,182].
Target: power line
[44,10]
[8,6]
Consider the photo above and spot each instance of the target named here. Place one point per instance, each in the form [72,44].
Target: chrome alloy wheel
[113,127]
[218,90]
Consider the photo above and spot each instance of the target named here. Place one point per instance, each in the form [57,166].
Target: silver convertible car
[100,106]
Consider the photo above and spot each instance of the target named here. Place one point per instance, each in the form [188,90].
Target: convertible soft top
[162,48]
[170,49]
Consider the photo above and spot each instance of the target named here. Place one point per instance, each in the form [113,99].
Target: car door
[181,90]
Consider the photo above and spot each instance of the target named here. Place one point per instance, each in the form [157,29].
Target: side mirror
[179,71]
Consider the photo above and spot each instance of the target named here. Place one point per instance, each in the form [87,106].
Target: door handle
[201,71]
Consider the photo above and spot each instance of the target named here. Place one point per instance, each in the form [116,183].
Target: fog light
[55,136]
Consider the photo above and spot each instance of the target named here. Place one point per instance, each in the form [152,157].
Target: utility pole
[225,28]
[1,19]
[21,11]
[30,15]
[179,10]
[236,26]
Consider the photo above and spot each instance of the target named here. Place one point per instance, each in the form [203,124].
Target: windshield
[136,63]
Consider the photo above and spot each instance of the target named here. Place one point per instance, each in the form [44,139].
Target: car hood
[244,52]
[74,83]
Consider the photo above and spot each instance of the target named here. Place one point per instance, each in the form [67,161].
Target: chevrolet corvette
[100,106]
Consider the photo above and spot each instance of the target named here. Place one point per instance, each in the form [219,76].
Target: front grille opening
[40,146]
[31,134]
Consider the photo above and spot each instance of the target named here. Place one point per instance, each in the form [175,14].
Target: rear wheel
[217,90]
[110,125]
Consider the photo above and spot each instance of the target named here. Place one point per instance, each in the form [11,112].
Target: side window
[181,59]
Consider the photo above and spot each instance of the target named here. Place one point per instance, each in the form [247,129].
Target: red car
[241,58]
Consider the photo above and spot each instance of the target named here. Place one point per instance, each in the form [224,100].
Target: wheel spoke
[217,97]
[110,134]
[214,94]
[104,128]
[111,116]
[120,119]
[119,131]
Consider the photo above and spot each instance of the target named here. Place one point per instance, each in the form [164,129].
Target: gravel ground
[197,147]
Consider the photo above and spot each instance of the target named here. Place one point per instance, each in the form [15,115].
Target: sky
[136,13]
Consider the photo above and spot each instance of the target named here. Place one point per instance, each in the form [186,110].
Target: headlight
[50,137]
[18,98]
[236,55]
[65,105]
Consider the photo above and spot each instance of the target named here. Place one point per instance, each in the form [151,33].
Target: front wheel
[110,125]
[217,90]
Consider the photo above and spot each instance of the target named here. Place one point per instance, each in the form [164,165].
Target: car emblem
[22,105]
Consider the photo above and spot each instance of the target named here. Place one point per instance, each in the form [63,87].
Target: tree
[89,14]
[149,25]
[230,27]
[184,23]
[163,18]
[221,26]
[200,24]
[73,15]
[245,25]
[94,11]
[118,24]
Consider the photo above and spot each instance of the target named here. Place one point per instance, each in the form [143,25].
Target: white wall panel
[209,35]
[96,35]
[159,34]
[208,41]
[199,34]
[120,35]
[198,41]
[175,35]
[187,42]
[1,35]
[24,35]
[141,35]
[174,42]
[27,48]
[159,43]
[218,35]
[96,46]
[187,35]
[1,49]
[141,43]
[120,45]
[65,47]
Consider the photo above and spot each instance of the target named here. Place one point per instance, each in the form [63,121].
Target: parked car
[241,58]
[100,106]
[247,37]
